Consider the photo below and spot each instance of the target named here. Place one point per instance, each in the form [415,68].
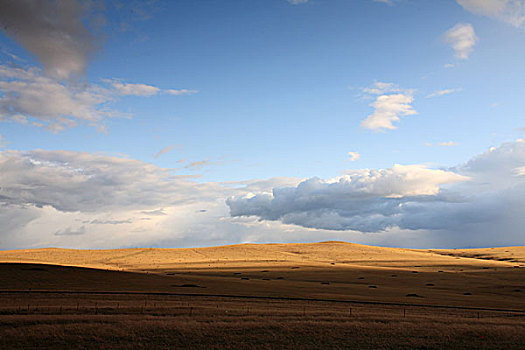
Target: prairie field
[319,295]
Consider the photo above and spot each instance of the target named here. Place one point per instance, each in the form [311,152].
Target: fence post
[404,312]
[350,312]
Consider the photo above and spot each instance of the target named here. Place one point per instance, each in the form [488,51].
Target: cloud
[497,166]
[197,165]
[520,171]
[364,200]
[509,11]
[297,2]
[388,2]
[47,196]
[128,89]
[475,203]
[157,212]
[443,144]
[443,92]
[448,143]
[71,232]
[136,89]
[381,88]
[56,97]
[462,39]
[132,89]
[3,142]
[53,31]
[108,222]
[30,97]
[353,156]
[72,181]
[180,92]
[392,103]
[387,110]
[27,93]
[165,150]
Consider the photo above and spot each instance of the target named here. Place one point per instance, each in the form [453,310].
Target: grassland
[322,295]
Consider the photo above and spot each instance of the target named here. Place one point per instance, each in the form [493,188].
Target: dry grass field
[321,295]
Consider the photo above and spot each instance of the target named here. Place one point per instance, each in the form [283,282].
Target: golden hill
[493,277]
[307,254]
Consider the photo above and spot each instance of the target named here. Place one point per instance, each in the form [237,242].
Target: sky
[204,122]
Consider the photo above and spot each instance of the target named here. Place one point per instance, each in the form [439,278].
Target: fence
[203,305]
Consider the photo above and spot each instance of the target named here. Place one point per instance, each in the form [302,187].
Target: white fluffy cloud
[510,11]
[392,103]
[474,201]
[387,110]
[297,2]
[462,39]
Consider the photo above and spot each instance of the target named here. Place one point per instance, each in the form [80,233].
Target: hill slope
[307,254]
[334,270]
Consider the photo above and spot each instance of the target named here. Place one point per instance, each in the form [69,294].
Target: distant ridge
[311,254]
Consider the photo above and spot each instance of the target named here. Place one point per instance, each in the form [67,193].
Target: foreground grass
[184,323]
[154,332]
[293,307]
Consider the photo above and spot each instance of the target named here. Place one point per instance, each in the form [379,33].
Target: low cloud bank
[73,181]
[488,190]
[84,200]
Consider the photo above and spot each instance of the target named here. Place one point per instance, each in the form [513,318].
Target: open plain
[330,294]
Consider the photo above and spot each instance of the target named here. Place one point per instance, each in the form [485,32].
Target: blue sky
[276,91]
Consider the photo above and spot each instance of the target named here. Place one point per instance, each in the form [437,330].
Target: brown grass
[300,296]
[183,322]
